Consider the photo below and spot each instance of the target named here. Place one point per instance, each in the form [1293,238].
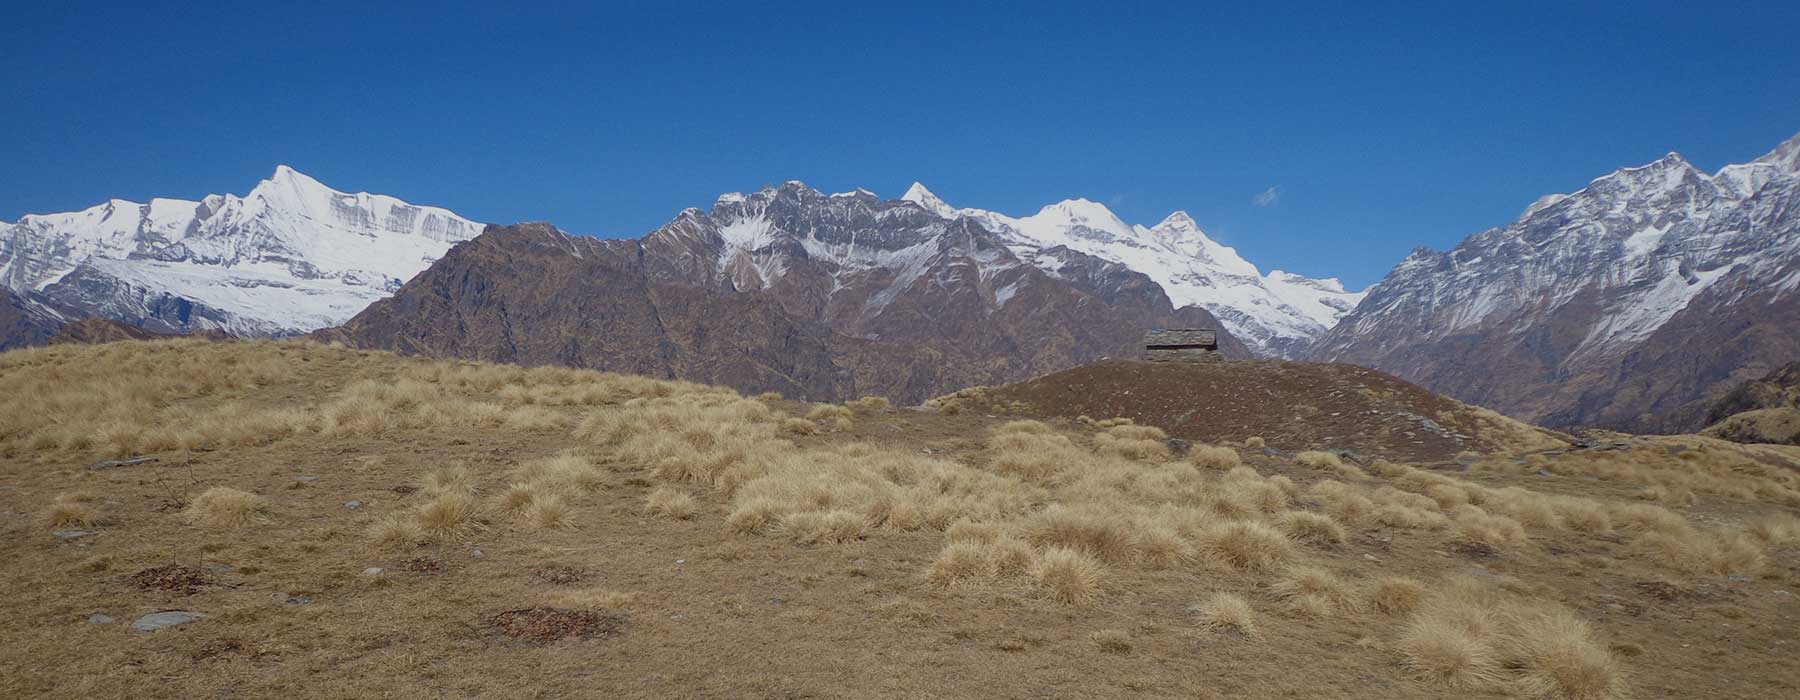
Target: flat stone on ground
[165,619]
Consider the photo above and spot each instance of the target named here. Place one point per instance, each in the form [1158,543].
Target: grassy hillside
[357,524]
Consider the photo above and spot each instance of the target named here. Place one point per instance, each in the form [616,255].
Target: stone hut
[1182,345]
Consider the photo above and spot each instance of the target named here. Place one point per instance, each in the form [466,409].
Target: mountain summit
[291,256]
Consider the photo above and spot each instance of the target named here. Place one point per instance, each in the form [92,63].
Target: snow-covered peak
[291,255]
[1177,224]
[1278,314]
[917,194]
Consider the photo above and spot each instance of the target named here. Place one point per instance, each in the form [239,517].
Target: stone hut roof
[1182,338]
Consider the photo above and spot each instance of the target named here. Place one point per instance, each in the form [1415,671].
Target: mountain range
[1627,304]
[785,289]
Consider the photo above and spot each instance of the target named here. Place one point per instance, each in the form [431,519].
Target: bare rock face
[1629,304]
[25,322]
[785,289]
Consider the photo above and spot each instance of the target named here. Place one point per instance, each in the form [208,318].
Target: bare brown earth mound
[1291,405]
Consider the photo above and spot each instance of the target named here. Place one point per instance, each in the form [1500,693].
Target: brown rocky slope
[832,298]
[531,294]
[1293,406]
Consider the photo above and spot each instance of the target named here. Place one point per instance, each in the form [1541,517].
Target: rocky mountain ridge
[1627,304]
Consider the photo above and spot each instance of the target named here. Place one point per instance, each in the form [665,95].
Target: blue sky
[1379,128]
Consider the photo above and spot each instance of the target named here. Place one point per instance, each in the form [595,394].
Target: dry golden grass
[594,599]
[1777,529]
[1069,576]
[838,417]
[834,526]
[1315,592]
[1095,530]
[1254,443]
[1247,545]
[72,510]
[226,507]
[1082,518]
[1396,595]
[1312,527]
[1228,613]
[1557,656]
[960,562]
[1326,461]
[670,503]
[1112,641]
[799,426]
[446,514]
[870,403]
[1211,457]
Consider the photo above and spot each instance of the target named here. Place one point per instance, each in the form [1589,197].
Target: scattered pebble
[100,619]
[306,478]
[165,619]
[475,554]
[373,571]
[74,534]
[353,505]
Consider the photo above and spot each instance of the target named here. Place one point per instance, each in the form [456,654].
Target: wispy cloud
[1267,198]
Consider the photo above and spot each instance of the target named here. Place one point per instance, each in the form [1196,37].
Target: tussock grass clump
[1468,635]
[1329,462]
[1247,545]
[397,531]
[960,562]
[838,417]
[1112,641]
[1315,592]
[799,426]
[1069,576]
[1254,442]
[870,403]
[1719,554]
[1478,525]
[965,530]
[670,503]
[1228,613]
[1778,529]
[1396,595]
[446,514]
[1345,503]
[1306,526]
[1557,656]
[834,526]
[1101,532]
[1140,442]
[1214,457]
[72,510]
[768,396]
[1032,454]
[455,479]
[549,512]
[225,507]
[1023,427]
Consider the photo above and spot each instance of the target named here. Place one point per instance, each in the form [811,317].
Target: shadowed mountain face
[1629,304]
[785,289]
[24,322]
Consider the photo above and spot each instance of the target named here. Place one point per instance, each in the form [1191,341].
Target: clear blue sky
[1382,128]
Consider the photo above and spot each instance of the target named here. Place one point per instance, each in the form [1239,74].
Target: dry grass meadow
[353,524]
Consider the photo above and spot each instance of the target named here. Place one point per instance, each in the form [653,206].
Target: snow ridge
[1277,314]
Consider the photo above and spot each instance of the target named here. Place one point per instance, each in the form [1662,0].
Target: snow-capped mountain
[291,256]
[1277,314]
[1622,304]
